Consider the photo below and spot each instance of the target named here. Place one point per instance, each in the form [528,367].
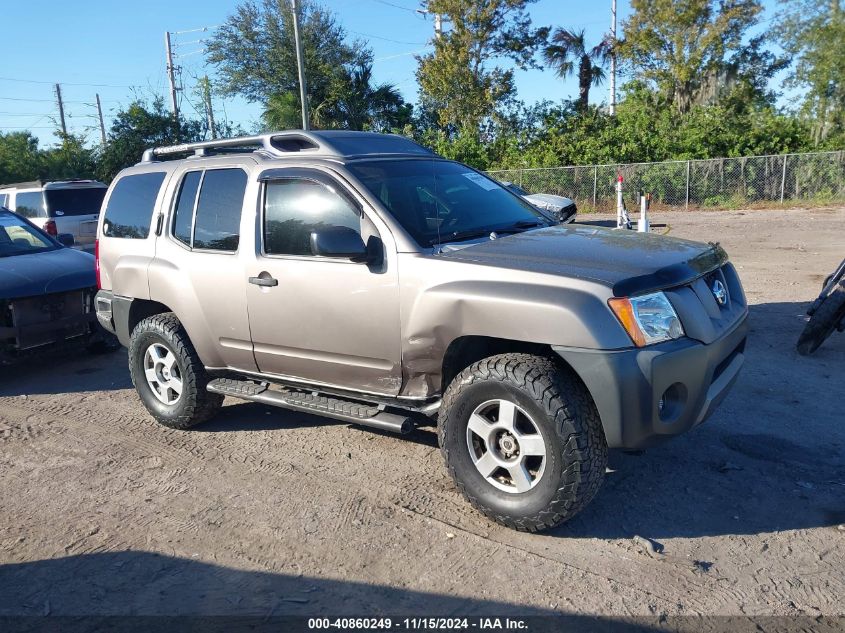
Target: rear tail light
[50,228]
[97,263]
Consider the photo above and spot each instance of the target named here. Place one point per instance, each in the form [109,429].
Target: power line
[64,83]
[53,100]
[202,28]
[381,59]
[20,99]
[26,113]
[386,39]
[396,6]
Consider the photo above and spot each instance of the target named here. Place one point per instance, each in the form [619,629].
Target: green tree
[813,31]
[255,56]
[688,49]
[69,160]
[141,126]
[568,48]
[359,104]
[20,159]
[460,80]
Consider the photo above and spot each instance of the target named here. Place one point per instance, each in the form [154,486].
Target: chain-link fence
[718,183]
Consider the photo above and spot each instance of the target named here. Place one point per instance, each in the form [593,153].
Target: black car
[46,291]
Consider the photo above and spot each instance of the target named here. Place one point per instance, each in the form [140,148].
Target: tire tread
[200,405]
[576,421]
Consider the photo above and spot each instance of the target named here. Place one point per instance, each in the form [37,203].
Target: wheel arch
[466,350]
[128,313]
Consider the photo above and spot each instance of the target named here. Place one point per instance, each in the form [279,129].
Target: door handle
[264,281]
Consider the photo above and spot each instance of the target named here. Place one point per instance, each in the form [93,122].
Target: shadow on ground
[66,370]
[144,583]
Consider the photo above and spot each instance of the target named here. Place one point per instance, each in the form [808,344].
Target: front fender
[543,310]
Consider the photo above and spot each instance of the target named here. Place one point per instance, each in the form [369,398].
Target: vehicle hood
[548,201]
[628,262]
[34,274]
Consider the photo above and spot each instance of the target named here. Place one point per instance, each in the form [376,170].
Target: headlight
[647,319]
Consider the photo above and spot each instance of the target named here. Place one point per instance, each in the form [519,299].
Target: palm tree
[352,102]
[570,47]
[361,104]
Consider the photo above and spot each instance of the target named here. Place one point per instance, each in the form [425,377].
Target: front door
[319,319]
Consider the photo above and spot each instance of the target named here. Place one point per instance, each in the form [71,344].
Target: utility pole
[171,76]
[438,22]
[206,99]
[102,125]
[299,65]
[61,109]
[613,57]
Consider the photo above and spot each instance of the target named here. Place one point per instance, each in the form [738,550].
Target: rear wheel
[168,375]
[826,318]
[523,441]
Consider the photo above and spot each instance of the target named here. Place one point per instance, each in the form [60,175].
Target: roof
[53,184]
[336,144]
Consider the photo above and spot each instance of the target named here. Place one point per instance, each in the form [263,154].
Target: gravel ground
[268,512]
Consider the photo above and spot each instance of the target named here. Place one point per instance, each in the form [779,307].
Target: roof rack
[334,143]
[274,143]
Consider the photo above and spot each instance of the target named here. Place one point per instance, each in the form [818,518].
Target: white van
[67,206]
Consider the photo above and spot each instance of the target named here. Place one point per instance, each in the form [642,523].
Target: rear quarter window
[130,208]
[30,204]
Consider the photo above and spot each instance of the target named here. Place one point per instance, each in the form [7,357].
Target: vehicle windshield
[19,238]
[80,201]
[439,201]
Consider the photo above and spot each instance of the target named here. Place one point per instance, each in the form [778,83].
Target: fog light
[671,403]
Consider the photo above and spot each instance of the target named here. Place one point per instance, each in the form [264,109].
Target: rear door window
[218,213]
[62,202]
[130,209]
[30,204]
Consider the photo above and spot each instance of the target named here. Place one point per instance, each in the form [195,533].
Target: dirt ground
[267,512]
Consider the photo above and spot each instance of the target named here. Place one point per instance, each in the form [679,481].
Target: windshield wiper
[525,224]
[459,236]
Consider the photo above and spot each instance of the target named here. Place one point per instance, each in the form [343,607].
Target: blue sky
[116,49]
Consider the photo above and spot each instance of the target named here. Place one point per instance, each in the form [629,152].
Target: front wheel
[169,375]
[523,440]
[826,318]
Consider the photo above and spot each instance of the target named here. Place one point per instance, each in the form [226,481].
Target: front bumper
[33,323]
[567,214]
[690,379]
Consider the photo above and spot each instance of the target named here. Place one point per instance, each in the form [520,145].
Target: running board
[313,402]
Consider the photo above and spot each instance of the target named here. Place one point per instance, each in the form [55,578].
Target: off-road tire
[563,411]
[196,404]
[824,321]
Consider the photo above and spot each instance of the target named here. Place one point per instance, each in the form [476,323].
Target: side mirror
[66,239]
[338,241]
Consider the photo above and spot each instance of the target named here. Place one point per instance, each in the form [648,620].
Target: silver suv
[361,277]
[59,207]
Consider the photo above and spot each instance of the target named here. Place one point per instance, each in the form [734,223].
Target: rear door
[75,210]
[197,271]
